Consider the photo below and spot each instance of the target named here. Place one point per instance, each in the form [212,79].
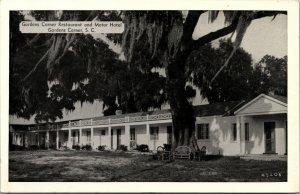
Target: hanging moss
[157,28]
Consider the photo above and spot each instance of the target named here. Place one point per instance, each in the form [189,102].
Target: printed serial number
[273,174]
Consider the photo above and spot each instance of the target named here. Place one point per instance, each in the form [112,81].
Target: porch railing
[99,121]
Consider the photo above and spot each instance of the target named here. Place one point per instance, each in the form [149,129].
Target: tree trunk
[182,111]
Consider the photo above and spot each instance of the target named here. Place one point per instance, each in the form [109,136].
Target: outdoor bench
[182,152]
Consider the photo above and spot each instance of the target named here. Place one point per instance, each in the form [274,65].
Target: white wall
[101,139]
[140,133]
[162,137]
[220,136]
[220,141]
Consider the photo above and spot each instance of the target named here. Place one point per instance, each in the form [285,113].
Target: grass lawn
[85,166]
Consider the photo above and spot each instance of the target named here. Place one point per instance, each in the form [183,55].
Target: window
[132,134]
[203,131]
[103,132]
[154,133]
[234,132]
[247,132]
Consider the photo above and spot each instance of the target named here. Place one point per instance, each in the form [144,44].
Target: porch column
[26,139]
[92,137]
[47,140]
[127,136]
[38,139]
[243,142]
[173,136]
[69,139]
[30,139]
[147,134]
[238,129]
[109,146]
[57,139]
[23,139]
[80,137]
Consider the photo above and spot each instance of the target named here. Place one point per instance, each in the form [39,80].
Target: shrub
[101,148]
[34,147]
[17,148]
[52,146]
[122,147]
[167,147]
[64,148]
[42,147]
[143,148]
[76,147]
[87,147]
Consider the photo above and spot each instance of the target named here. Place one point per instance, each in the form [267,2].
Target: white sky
[263,36]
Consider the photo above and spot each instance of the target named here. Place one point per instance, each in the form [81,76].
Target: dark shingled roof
[221,108]
[214,109]
[155,112]
[280,98]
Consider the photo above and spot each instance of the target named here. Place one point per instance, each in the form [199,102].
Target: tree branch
[229,29]
[190,24]
[36,65]
[215,35]
[261,14]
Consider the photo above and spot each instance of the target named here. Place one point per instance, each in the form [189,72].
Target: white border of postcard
[292,6]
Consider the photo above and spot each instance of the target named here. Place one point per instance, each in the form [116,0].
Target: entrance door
[286,137]
[132,138]
[118,138]
[169,132]
[74,139]
[269,137]
[88,137]
[112,139]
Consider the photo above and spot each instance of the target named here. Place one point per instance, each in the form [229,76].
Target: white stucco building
[258,126]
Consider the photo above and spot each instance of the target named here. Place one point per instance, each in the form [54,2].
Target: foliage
[122,147]
[275,74]
[76,147]
[88,71]
[87,147]
[241,79]
[142,148]
[13,147]
[34,147]
[167,147]
[101,148]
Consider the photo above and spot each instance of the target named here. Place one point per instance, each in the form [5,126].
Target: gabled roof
[259,106]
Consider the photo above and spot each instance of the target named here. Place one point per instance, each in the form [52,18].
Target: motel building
[258,126]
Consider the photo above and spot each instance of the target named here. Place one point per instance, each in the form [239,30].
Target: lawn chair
[182,152]
[200,154]
[162,153]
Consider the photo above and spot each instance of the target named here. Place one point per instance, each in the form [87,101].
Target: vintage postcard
[199,96]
